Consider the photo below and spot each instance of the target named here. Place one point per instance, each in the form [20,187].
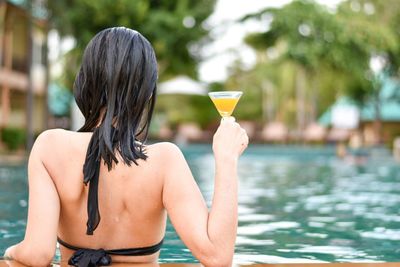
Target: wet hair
[115,89]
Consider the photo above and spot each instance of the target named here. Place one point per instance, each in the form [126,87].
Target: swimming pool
[296,204]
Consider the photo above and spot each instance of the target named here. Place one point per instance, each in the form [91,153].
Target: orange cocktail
[225,106]
[225,101]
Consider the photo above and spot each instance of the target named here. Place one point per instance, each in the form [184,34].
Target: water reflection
[295,205]
[318,208]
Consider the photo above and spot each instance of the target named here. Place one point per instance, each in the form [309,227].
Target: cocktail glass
[225,101]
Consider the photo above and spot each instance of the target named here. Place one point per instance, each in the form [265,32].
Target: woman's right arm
[210,235]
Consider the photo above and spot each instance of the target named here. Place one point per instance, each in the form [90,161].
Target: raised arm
[39,244]
[209,235]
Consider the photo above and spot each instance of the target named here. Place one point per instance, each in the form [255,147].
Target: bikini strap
[85,257]
[142,251]
[91,172]
[65,244]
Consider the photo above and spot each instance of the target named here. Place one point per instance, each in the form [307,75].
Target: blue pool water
[296,204]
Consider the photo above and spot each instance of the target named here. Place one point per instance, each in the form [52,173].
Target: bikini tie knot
[90,258]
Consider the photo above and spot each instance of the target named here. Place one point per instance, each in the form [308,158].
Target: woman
[119,211]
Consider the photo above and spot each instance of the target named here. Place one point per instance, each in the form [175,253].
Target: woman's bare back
[133,201]
[130,198]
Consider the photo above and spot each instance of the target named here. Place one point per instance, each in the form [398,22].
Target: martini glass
[225,101]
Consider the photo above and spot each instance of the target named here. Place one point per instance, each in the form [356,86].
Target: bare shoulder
[52,141]
[51,134]
[169,160]
[49,138]
[165,154]
[164,149]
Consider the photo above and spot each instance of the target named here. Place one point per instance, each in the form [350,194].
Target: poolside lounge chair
[274,132]
[314,133]
[164,133]
[189,132]
[338,135]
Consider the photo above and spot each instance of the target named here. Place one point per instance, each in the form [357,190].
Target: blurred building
[389,113]
[388,103]
[18,48]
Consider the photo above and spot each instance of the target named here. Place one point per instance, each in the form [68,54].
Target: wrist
[226,160]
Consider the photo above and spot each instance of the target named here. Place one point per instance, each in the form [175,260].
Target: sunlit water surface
[296,204]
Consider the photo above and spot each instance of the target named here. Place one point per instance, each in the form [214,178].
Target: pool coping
[4,263]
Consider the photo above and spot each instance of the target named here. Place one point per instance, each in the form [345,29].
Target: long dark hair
[115,89]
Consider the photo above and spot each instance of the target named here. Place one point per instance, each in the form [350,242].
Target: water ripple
[296,205]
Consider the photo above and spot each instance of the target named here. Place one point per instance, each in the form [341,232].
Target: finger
[245,140]
[242,149]
[229,119]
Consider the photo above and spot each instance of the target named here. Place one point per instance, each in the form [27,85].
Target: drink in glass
[225,101]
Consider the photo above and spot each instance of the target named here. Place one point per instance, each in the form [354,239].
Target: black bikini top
[85,257]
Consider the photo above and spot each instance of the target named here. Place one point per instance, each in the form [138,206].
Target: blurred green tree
[175,28]
[322,45]
[385,15]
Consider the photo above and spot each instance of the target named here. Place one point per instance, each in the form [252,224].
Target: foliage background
[307,56]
